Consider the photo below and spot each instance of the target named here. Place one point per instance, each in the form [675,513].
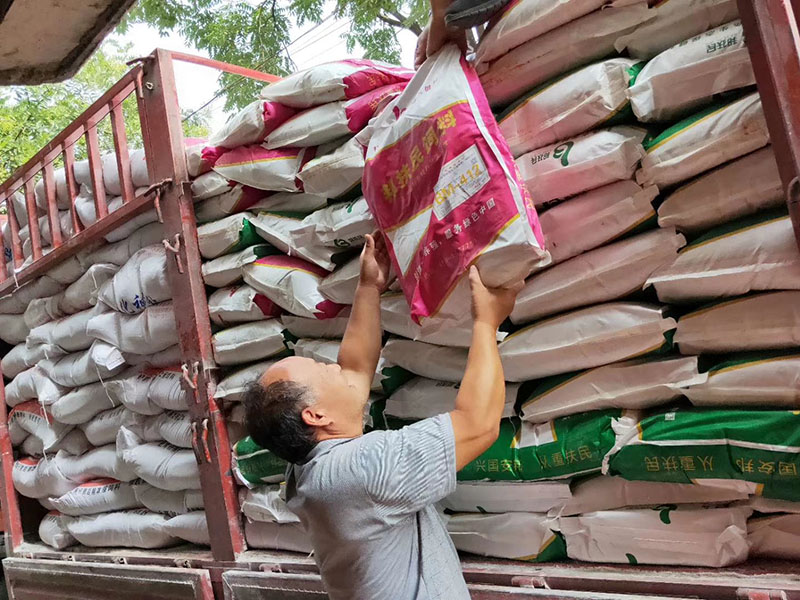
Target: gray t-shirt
[367,504]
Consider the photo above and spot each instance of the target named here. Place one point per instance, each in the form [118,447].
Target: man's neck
[338,435]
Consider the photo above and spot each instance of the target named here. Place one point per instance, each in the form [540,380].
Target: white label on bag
[460,179]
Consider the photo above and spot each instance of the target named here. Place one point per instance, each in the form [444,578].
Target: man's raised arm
[361,346]
[480,400]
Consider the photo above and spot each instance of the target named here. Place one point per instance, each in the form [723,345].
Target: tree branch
[397,19]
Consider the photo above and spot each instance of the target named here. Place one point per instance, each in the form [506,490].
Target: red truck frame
[228,570]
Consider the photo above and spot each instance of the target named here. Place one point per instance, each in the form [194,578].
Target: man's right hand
[491,305]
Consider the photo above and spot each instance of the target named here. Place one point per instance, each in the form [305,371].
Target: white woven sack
[149,391]
[97,363]
[17,301]
[775,536]
[172,426]
[266,503]
[635,384]
[335,174]
[248,342]
[99,463]
[163,501]
[302,327]
[22,357]
[704,141]
[421,398]
[277,536]
[741,187]
[38,478]
[572,45]
[605,492]
[102,428]
[754,257]
[223,236]
[82,294]
[160,464]
[225,270]
[568,106]
[209,185]
[327,351]
[596,218]
[141,282]
[584,163]
[33,384]
[710,537]
[53,532]
[277,228]
[600,275]
[166,358]
[119,252]
[74,443]
[233,200]
[233,387]
[239,304]
[338,226]
[519,535]
[84,206]
[673,21]
[585,338]
[759,322]
[81,404]
[691,73]
[191,527]
[427,360]
[507,496]
[340,286]
[13,329]
[149,332]
[762,379]
[97,496]
[69,333]
[137,528]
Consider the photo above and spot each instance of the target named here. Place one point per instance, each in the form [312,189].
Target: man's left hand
[375,263]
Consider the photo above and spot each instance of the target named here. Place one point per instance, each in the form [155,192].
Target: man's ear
[315,417]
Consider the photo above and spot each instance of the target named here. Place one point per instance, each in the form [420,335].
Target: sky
[197,84]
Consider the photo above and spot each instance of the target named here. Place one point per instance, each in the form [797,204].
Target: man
[367,501]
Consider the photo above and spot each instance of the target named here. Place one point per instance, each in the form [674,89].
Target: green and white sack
[775,536]
[337,173]
[600,275]
[572,45]
[421,398]
[276,228]
[691,73]
[585,338]
[757,379]
[703,537]
[516,535]
[704,141]
[596,218]
[254,465]
[427,360]
[634,384]
[683,446]
[340,286]
[759,322]
[673,21]
[569,105]
[227,235]
[604,492]
[560,449]
[239,304]
[751,255]
[587,162]
[507,496]
[739,188]
[225,270]
[238,200]
[340,226]
[771,505]
[248,342]
[233,387]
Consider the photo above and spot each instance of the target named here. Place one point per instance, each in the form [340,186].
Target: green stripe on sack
[734,227]
[256,464]
[713,365]
[247,237]
[554,549]
[671,132]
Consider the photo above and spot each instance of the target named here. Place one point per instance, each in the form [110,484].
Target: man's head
[298,402]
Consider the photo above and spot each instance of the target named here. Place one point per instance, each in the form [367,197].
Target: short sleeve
[413,467]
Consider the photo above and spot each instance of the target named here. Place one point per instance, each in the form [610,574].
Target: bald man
[367,501]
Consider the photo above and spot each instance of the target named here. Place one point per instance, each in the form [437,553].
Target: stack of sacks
[282,212]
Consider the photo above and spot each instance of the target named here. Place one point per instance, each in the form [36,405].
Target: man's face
[336,401]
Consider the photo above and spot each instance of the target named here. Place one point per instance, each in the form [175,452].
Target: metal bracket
[119,560]
[204,438]
[174,248]
[526,581]
[183,563]
[190,375]
[755,594]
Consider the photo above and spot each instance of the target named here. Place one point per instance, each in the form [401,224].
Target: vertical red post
[773,39]
[96,170]
[52,205]
[72,186]
[9,503]
[13,223]
[3,266]
[121,148]
[33,219]
[163,138]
